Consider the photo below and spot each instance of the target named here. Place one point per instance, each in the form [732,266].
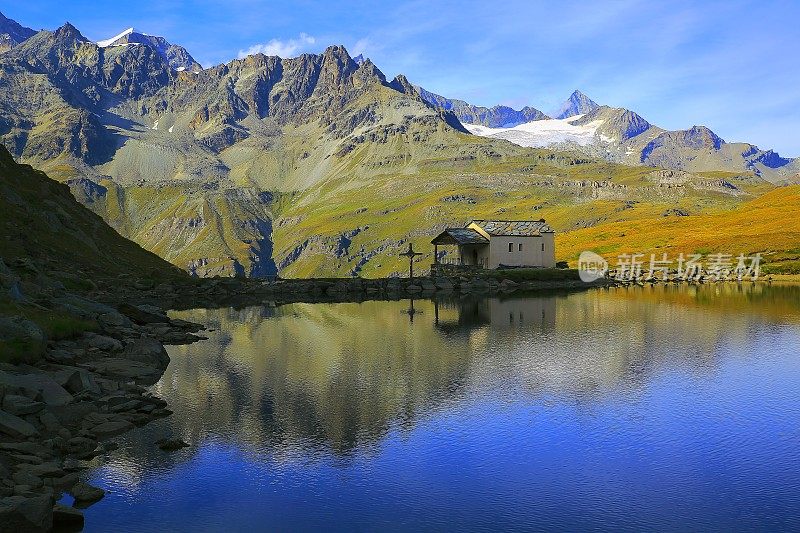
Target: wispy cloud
[277,47]
[362,46]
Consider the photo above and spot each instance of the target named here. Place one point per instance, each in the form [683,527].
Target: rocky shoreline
[61,412]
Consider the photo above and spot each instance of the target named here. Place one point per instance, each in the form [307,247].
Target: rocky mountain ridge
[498,116]
[12,33]
[298,166]
[189,163]
[622,136]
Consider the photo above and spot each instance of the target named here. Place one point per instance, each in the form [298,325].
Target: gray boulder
[21,405]
[147,350]
[86,494]
[111,428]
[19,513]
[76,380]
[15,426]
[52,393]
[126,369]
[81,444]
[103,343]
[114,318]
[143,314]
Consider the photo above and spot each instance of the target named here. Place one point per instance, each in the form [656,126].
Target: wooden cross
[411,254]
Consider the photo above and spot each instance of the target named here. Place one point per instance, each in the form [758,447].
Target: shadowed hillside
[53,252]
[46,228]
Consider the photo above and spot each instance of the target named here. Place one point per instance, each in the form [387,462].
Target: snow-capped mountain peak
[177,56]
[577,104]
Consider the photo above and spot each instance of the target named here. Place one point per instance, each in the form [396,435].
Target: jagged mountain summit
[577,104]
[498,116]
[177,56]
[12,33]
[189,164]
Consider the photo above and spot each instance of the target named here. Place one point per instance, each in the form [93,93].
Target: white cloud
[361,46]
[276,47]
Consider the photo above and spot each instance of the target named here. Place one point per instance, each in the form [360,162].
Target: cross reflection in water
[411,311]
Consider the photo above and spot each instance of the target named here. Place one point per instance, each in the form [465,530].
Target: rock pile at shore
[60,412]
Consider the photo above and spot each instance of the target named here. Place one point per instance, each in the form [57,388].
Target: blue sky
[733,66]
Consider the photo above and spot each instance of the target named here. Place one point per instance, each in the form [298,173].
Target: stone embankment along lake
[215,292]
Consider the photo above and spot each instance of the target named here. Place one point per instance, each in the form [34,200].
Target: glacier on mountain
[542,133]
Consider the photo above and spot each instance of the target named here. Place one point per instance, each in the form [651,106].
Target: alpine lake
[664,408]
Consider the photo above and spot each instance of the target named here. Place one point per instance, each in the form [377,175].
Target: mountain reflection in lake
[639,408]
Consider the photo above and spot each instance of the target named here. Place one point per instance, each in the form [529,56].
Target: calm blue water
[669,409]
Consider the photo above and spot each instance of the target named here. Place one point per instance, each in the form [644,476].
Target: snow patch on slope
[541,133]
[108,42]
